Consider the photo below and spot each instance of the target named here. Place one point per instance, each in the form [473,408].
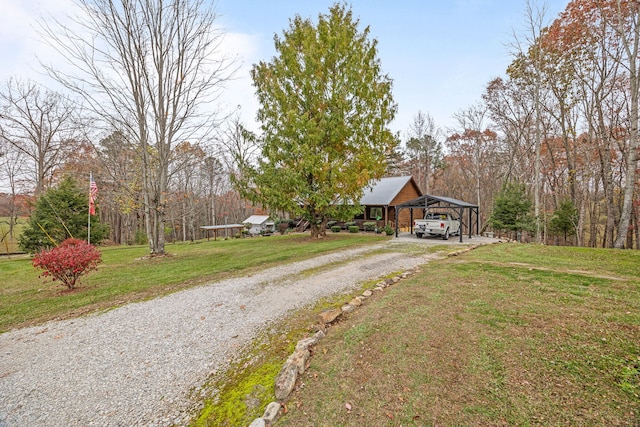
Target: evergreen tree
[512,209]
[60,213]
[564,220]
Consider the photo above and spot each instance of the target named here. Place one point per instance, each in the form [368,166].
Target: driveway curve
[136,364]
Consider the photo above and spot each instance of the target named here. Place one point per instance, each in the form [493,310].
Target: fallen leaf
[242,307]
[390,415]
[348,406]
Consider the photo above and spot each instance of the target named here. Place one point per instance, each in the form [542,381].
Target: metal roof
[428,200]
[384,191]
[257,219]
[221,227]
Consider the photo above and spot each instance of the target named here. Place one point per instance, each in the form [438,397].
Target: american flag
[93,192]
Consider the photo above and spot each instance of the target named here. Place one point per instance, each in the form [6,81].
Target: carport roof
[428,200]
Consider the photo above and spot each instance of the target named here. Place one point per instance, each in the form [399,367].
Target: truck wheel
[445,236]
[419,235]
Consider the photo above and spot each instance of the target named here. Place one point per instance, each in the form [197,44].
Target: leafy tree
[325,108]
[512,209]
[564,220]
[60,213]
[68,262]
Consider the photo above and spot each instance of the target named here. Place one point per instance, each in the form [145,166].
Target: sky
[440,54]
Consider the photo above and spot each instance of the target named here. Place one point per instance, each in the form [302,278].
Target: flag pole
[89,211]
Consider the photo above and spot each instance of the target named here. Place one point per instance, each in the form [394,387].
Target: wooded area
[563,121]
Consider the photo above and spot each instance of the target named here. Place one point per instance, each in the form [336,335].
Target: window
[375,213]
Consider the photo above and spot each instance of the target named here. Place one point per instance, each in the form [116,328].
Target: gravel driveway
[135,365]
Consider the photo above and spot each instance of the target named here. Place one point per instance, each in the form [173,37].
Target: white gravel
[135,365]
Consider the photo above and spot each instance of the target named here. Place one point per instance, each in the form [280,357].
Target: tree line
[560,127]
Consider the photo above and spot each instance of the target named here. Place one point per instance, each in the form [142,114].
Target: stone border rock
[297,362]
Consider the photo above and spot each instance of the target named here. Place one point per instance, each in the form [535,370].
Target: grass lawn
[125,276]
[503,335]
[7,244]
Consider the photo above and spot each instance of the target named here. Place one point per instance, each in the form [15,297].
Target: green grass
[7,244]
[502,335]
[124,275]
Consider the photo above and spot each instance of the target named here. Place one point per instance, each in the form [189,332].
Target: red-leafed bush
[67,262]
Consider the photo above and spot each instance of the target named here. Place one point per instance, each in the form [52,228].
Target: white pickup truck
[437,224]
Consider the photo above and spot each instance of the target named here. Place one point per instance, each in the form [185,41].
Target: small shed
[260,224]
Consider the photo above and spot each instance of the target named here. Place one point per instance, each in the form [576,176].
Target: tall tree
[535,26]
[238,145]
[151,69]
[120,187]
[325,107]
[424,146]
[475,145]
[626,21]
[11,166]
[38,123]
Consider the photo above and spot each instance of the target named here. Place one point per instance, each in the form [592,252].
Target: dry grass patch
[471,341]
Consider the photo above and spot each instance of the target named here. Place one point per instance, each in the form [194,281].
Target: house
[381,199]
[260,224]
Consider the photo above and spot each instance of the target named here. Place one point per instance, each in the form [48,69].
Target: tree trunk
[631,44]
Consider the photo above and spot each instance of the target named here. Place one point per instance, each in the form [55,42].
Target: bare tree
[626,20]
[11,172]
[535,18]
[475,146]
[40,125]
[424,145]
[238,145]
[152,69]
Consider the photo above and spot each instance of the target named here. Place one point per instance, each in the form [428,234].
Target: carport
[428,201]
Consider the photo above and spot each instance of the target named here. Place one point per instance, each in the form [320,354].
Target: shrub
[336,228]
[369,226]
[349,224]
[389,230]
[353,229]
[68,262]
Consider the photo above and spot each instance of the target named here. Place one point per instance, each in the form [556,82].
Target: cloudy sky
[440,53]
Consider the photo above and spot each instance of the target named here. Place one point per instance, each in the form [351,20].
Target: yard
[503,335]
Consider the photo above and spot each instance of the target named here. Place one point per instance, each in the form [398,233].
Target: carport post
[460,214]
[397,215]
